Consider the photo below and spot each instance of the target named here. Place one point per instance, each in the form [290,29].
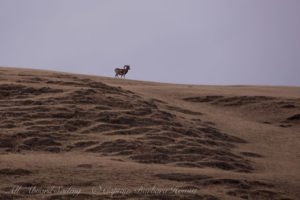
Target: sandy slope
[69,136]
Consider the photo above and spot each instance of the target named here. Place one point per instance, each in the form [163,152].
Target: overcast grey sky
[180,41]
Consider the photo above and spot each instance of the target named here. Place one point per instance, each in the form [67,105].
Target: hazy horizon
[190,42]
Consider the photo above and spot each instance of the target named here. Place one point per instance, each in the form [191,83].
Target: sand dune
[70,136]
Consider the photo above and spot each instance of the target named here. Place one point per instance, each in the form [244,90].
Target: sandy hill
[70,136]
